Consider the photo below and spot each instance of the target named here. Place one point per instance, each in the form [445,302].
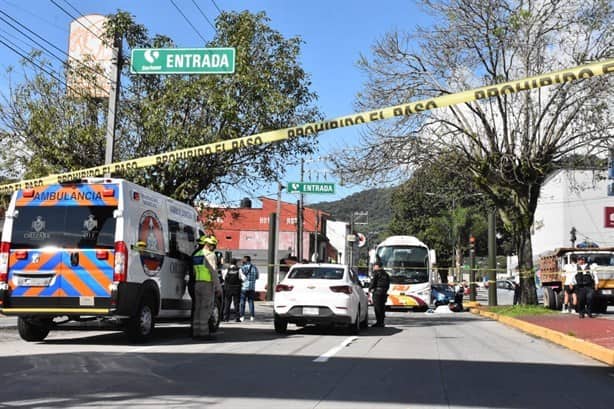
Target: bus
[408,261]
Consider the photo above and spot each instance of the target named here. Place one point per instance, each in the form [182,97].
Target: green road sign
[311,187]
[183,61]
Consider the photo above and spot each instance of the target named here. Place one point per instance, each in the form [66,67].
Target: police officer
[206,285]
[585,284]
[380,282]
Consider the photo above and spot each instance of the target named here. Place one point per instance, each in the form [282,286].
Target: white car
[321,294]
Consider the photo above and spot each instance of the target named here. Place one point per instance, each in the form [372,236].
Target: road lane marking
[331,352]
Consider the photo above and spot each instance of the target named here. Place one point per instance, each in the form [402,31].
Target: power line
[22,53]
[187,20]
[46,49]
[218,9]
[203,14]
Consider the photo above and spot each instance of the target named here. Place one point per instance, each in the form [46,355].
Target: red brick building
[247,228]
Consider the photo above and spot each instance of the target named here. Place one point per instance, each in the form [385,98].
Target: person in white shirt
[570,296]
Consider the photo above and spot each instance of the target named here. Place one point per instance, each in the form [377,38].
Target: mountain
[376,202]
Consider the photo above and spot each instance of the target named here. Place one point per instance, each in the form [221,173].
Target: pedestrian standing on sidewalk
[585,283]
[233,281]
[570,298]
[380,282]
[248,289]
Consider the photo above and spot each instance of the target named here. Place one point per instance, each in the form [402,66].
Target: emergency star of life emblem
[91,223]
[151,233]
[38,224]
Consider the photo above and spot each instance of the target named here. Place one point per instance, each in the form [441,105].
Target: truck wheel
[140,327]
[281,325]
[549,298]
[216,315]
[601,305]
[33,330]
[558,304]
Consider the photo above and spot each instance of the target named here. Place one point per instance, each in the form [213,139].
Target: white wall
[336,233]
[572,199]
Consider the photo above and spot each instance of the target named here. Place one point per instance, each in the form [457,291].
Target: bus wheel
[33,330]
[140,327]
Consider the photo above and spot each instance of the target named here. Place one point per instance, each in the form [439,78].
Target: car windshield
[605,260]
[405,264]
[64,226]
[325,273]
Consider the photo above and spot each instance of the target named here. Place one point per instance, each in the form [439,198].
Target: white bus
[408,262]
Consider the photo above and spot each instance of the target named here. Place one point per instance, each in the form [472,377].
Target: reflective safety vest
[201,271]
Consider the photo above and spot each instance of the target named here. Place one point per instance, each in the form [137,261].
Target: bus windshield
[405,264]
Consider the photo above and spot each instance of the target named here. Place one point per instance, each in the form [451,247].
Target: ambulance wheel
[216,315]
[140,327]
[33,330]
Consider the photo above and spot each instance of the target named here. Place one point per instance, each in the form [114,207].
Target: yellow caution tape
[557,77]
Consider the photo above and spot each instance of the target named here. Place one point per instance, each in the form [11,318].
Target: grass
[520,310]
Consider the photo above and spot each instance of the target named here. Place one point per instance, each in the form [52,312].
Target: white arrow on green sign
[311,187]
[183,61]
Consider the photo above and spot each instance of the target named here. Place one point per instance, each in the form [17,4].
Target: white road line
[325,356]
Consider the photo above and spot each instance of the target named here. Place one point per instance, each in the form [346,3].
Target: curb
[581,346]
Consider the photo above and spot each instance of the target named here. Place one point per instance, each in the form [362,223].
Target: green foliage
[374,201]
[520,310]
[48,131]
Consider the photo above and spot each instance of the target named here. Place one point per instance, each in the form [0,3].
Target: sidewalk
[593,337]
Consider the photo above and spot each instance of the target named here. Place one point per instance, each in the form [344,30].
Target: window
[181,240]
[325,273]
[64,226]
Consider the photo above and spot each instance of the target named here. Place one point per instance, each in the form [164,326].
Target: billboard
[86,49]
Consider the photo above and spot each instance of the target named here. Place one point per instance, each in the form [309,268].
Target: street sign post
[311,187]
[183,61]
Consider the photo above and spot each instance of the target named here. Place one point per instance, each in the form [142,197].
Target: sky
[335,33]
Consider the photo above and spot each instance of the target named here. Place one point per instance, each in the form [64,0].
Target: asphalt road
[418,361]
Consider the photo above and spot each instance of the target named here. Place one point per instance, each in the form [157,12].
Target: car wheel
[365,323]
[140,326]
[354,327]
[33,330]
[281,325]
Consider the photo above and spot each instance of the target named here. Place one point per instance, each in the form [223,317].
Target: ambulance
[99,249]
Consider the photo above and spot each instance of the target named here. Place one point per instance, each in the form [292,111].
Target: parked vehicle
[320,294]
[408,262]
[600,260]
[442,294]
[97,249]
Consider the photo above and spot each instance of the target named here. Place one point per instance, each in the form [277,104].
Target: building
[245,231]
[575,199]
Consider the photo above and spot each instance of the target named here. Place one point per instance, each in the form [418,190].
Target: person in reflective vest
[206,283]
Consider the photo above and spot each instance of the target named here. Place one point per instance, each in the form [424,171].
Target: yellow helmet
[208,240]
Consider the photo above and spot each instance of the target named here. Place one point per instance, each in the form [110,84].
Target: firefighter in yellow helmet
[206,286]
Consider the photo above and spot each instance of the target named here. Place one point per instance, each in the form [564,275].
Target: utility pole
[116,63]
[277,228]
[492,258]
[317,253]
[472,295]
[299,218]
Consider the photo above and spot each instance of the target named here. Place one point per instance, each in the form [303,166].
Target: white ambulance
[97,249]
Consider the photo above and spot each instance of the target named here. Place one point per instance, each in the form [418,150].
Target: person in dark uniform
[380,282]
[233,281]
[585,283]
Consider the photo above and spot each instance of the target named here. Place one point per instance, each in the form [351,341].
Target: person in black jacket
[380,282]
[232,290]
[585,283]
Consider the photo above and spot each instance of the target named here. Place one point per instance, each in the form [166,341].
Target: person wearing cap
[206,285]
[585,282]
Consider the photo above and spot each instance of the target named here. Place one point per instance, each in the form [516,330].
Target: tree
[507,144]
[57,132]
